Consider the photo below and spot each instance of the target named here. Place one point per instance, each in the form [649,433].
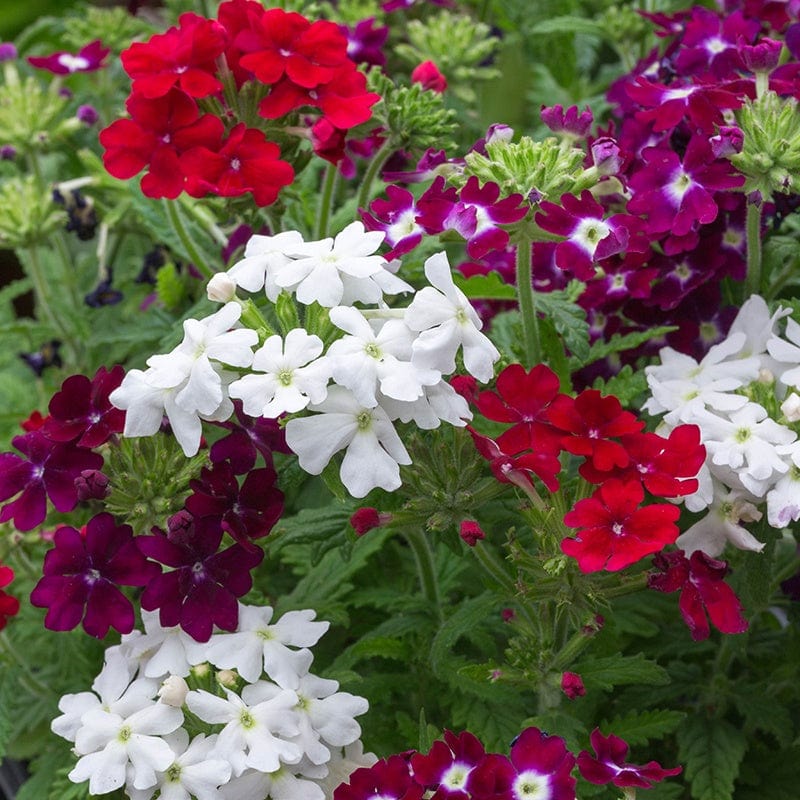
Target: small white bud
[221,288]
[228,678]
[791,408]
[173,691]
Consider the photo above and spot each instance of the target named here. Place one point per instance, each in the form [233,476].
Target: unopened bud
[91,484]
[471,532]
[607,156]
[572,122]
[728,141]
[367,518]
[228,678]
[8,51]
[87,115]
[173,691]
[201,670]
[428,74]
[761,57]
[221,288]
[791,408]
[572,685]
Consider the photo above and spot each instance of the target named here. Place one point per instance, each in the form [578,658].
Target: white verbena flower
[283,784]
[721,525]
[293,376]
[787,353]
[446,321]
[263,257]
[258,646]
[316,268]
[374,451]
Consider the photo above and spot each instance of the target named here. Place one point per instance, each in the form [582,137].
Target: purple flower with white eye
[589,236]
[365,42]
[87,59]
[82,576]
[572,123]
[47,470]
[397,218]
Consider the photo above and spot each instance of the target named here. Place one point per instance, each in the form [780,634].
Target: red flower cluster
[303,64]
[459,768]
[615,529]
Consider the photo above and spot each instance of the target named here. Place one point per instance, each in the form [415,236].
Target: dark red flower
[367,518]
[614,531]
[471,532]
[9,605]
[48,470]
[82,411]
[244,162]
[704,593]
[82,575]
[202,588]
[447,767]
[572,685]
[609,766]
[182,57]
[390,779]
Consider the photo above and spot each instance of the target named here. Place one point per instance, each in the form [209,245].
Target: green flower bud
[770,157]
[537,170]
[27,214]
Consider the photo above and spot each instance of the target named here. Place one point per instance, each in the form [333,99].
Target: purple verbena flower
[390,779]
[47,356]
[87,115]
[8,51]
[104,294]
[397,218]
[82,576]
[82,411]
[447,767]
[245,513]
[48,470]
[575,124]
[365,42]
[202,588]
[87,59]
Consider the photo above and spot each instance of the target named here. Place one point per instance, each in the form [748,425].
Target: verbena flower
[82,576]
[88,59]
[9,605]
[447,767]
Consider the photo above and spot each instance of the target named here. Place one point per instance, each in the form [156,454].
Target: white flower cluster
[743,395]
[287,734]
[387,365]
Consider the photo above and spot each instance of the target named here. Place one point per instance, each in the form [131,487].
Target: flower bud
[87,115]
[221,288]
[791,408]
[8,51]
[607,156]
[761,57]
[227,678]
[570,122]
[471,532]
[8,152]
[428,74]
[173,691]
[572,685]
[367,518]
[91,484]
[728,141]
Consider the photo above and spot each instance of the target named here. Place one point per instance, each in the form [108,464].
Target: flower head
[87,59]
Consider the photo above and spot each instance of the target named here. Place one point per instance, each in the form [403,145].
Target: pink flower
[704,593]
[571,122]
[428,75]
[609,766]
[471,532]
[572,685]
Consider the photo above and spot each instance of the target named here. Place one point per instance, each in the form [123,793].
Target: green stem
[326,200]
[753,280]
[176,222]
[527,301]
[423,555]
[365,193]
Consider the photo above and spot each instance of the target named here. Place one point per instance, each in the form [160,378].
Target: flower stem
[527,301]
[176,221]
[423,555]
[326,200]
[753,280]
[365,193]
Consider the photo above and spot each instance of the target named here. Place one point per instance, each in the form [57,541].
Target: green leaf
[626,385]
[485,287]
[469,614]
[618,343]
[617,670]
[763,712]
[568,318]
[711,751]
[567,24]
[639,727]
[309,525]
[496,724]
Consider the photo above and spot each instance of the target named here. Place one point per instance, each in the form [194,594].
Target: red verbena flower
[608,765]
[82,575]
[427,74]
[182,57]
[704,593]
[9,605]
[614,531]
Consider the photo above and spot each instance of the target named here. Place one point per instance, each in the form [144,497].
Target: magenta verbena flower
[365,42]
[388,779]
[82,411]
[48,470]
[245,512]
[87,59]
[448,765]
[397,218]
[609,766]
[202,588]
[589,236]
[82,576]
[571,122]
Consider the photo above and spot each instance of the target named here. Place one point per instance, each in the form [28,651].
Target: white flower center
[236,165]
[364,420]
[73,63]
[246,719]
[589,233]
[530,785]
[173,774]
[680,184]
[456,776]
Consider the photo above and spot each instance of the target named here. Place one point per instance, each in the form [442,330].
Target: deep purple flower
[91,484]
[47,356]
[88,59]
[448,765]
[82,576]
[8,152]
[8,51]
[248,438]
[202,588]
[572,122]
[365,42]
[87,115]
[390,779]
[104,294]
[589,236]
[540,765]
[247,512]
[49,470]
[82,411]
[608,766]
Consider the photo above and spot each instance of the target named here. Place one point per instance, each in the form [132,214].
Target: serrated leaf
[617,670]
[626,385]
[619,343]
[496,724]
[711,751]
[468,615]
[639,727]
[485,287]
[763,712]
[568,318]
[309,525]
